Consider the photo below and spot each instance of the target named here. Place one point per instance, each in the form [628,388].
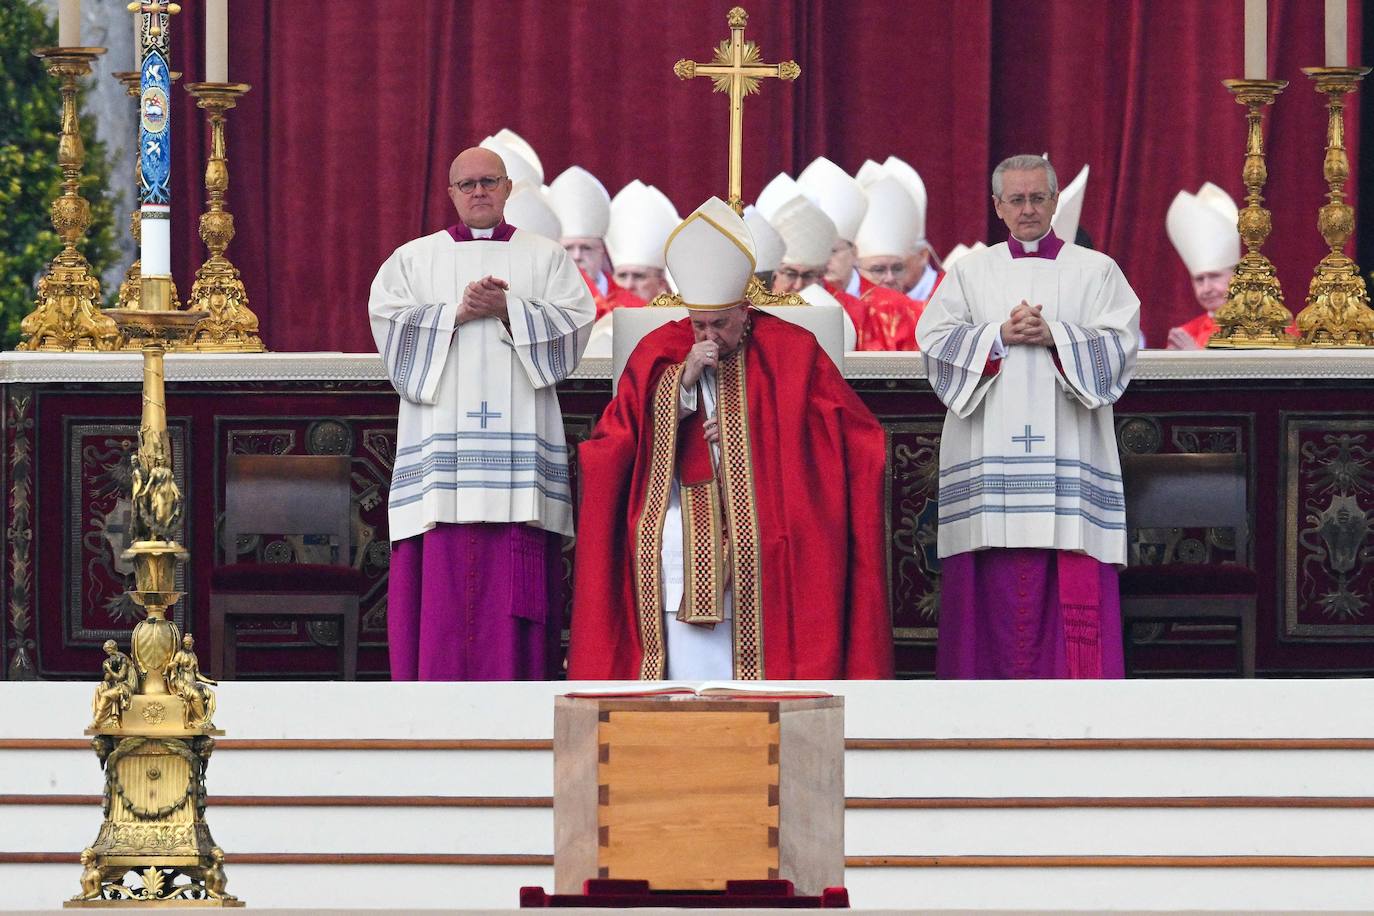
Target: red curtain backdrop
[340,151]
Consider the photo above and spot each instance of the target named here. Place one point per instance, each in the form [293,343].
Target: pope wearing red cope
[731,520]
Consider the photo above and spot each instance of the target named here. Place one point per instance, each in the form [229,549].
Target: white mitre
[911,181]
[869,173]
[768,245]
[1066,215]
[776,193]
[581,202]
[1202,227]
[837,194]
[521,146]
[807,233]
[526,209]
[641,220]
[889,226]
[518,168]
[711,256]
[959,251]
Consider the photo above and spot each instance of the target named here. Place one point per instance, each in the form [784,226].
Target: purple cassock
[1029,612]
[476,602]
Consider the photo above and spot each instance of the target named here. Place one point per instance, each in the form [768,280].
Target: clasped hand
[703,354]
[1026,326]
[484,298]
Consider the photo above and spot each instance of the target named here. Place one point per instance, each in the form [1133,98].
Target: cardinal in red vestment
[731,519]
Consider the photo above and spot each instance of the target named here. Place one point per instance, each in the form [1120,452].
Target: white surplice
[479,432]
[1028,456]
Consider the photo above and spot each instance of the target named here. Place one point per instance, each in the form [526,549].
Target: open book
[710,689]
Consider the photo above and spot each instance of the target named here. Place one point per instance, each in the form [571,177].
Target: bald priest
[731,524]
[475,324]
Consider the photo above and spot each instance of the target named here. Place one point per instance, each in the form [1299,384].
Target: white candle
[69,23]
[217,41]
[1335,33]
[1256,39]
[138,41]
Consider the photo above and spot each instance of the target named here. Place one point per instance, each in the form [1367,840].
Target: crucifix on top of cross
[737,68]
[153,8]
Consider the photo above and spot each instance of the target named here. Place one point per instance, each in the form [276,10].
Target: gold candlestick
[1254,315]
[1337,312]
[130,288]
[67,311]
[230,325]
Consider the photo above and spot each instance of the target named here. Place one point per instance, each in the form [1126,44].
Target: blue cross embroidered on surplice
[484,415]
[1025,438]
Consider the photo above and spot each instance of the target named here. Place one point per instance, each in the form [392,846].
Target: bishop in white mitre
[1029,343]
[476,324]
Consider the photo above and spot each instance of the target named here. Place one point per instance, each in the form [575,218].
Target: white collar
[483,233]
[1029,247]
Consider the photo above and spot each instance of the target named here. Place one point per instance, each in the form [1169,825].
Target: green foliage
[30,124]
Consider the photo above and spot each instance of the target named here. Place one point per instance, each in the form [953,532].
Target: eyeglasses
[488,183]
[805,276]
[879,270]
[1035,200]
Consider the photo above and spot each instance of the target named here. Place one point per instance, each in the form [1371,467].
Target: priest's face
[644,282]
[478,187]
[588,253]
[885,270]
[1210,288]
[725,328]
[1026,204]
[840,267]
[793,278]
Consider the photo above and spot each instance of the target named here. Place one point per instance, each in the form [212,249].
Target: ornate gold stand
[131,288]
[1254,316]
[1337,312]
[152,716]
[67,312]
[230,326]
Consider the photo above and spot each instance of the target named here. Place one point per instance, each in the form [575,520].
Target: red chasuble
[890,321]
[855,308]
[1201,329]
[801,480]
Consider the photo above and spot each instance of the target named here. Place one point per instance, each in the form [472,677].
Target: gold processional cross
[737,69]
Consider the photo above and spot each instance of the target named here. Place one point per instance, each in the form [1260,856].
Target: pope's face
[588,253]
[478,206]
[840,267]
[723,327]
[1210,288]
[1026,204]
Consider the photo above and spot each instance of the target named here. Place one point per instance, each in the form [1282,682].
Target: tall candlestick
[217,41]
[138,41]
[155,156]
[69,23]
[1256,39]
[1335,33]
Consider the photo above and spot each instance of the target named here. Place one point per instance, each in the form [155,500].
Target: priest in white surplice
[1028,343]
[476,324]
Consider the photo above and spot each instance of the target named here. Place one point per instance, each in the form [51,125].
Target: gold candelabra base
[67,310]
[230,325]
[1337,312]
[1254,316]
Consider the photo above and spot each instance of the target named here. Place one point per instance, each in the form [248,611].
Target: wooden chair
[1190,491]
[286,495]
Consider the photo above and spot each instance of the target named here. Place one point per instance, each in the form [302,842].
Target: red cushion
[306,578]
[1188,579]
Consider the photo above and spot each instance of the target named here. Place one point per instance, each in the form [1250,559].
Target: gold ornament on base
[132,285]
[153,713]
[1254,316]
[67,311]
[1337,312]
[230,326]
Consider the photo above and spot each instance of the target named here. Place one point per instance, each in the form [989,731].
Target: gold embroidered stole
[705,513]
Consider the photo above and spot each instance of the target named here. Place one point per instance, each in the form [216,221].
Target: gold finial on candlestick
[1337,312]
[1254,315]
[131,287]
[67,311]
[737,68]
[230,324]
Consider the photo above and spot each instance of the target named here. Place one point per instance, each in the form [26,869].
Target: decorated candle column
[155,155]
